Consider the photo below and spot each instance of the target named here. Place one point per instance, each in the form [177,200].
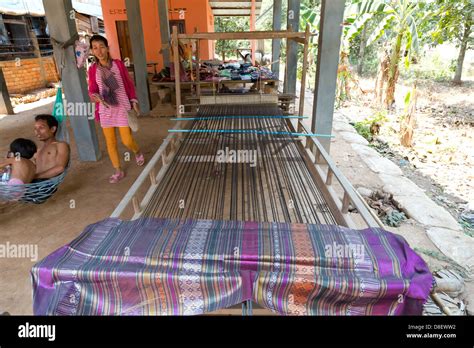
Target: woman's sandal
[140,159]
[116,177]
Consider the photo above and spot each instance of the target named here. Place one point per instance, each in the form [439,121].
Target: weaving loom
[210,234]
[278,189]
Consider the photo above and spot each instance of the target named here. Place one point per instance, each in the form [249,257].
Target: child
[18,169]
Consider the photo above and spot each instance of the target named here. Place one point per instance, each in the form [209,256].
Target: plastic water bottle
[6,174]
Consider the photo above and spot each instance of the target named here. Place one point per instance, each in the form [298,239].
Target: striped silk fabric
[188,267]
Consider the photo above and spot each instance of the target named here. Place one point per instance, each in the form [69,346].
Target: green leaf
[356,28]
[380,29]
[407,99]
[413,34]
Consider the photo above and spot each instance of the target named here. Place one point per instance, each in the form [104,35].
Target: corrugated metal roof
[35,7]
[234,7]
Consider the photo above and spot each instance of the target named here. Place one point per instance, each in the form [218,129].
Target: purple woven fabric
[171,267]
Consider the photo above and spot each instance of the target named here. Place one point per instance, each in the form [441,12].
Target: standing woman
[111,88]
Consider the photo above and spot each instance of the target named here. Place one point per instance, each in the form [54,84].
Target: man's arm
[62,160]
[7,161]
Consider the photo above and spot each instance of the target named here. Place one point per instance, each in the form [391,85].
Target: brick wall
[29,74]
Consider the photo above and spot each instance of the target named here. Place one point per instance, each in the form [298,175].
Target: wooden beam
[198,61]
[234,1]
[231,15]
[243,35]
[234,8]
[298,39]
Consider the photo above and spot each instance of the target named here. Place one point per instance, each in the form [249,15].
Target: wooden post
[252,28]
[285,82]
[177,75]
[303,78]
[5,103]
[198,61]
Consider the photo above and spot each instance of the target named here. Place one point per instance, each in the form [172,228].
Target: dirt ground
[441,160]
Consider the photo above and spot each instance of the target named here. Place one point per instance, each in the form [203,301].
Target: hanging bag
[133,120]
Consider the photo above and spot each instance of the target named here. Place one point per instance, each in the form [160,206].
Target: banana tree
[310,14]
[396,22]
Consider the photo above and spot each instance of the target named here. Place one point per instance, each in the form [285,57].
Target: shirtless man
[53,157]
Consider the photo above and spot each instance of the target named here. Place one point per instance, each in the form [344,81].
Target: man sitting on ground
[52,157]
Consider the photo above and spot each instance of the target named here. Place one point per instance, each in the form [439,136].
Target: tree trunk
[363,43]
[393,71]
[382,74]
[408,121]
[462,52]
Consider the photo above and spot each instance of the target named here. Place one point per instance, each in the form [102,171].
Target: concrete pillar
[276,43]
[293,22]
[5,103]
[62,26]
[329,42]
[139,54]
[165,31]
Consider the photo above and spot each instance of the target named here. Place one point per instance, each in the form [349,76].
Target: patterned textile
[183,267]
[109,84]
[116,115]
